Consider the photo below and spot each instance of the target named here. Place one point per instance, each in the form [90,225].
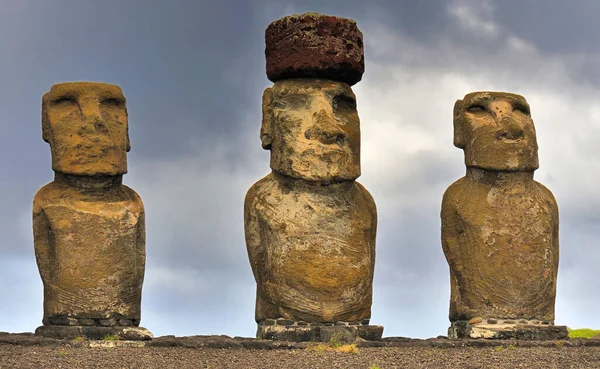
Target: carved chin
[90,160]
[77,167]
[505,163]
[344,170]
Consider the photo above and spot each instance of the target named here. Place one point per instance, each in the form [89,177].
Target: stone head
[496,132]
[312,128]
[85,124]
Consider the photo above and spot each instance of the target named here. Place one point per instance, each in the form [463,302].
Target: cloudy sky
[193,73]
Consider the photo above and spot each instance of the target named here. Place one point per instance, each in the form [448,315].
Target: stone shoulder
[545,191]
[133,196]
[43,197]
[453,191]
[547,194]
[55,194]
[368,198]
[259,191]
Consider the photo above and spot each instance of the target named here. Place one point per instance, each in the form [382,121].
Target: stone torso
[312,250]
[502,247]
[91,252]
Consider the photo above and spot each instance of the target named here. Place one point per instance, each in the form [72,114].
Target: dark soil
[384,357]
[28,351]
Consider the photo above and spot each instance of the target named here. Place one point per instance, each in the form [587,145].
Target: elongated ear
[45,123]
[128,144]
[459,124]
[266,130]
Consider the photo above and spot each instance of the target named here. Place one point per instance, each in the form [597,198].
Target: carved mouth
[520,140]
[508,137]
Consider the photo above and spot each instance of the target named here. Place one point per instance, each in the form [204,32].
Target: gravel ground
[16,356]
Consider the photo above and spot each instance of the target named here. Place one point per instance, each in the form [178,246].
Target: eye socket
[64,100]
[344,103]
[522,109]
[291,101]
[278,104]
[476,109]
[113,102]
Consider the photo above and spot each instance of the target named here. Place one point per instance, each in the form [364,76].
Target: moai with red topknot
[310,227]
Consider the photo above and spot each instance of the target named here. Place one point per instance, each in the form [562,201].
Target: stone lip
[104,322]
[75,332]
[496,329]
[29,339]
[342,334]
[314,45]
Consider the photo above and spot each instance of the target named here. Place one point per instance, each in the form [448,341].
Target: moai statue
[310,227]
[88,227]
[499,226]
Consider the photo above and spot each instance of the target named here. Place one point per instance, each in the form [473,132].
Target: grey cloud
[554,26]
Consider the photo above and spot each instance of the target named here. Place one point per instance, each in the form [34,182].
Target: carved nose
[90,111]
[510,130]
[325,129]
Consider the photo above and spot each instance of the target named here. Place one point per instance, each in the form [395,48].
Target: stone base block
[504,329]
[71,332]
[339,334]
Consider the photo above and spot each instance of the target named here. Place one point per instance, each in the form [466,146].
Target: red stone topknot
[314,45]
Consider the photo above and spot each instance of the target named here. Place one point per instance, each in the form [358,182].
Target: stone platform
[71,332]
[504,329]
[340,332]
[226,342]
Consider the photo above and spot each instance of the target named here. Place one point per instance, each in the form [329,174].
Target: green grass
[111,337]
[583,333]
[322,347]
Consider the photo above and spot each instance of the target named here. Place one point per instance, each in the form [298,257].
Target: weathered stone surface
[269,322]
[475,320]
[312,128]
[338,334]
[310,228]
[29,339]
[332,333]
[59,331]
[94,333]
[499,226]
[370,332]
[284,322]
[289,333]
[125,322]
[85,124]
[314,45]
[63,320]
[257,344]
[89,231]
[134,334]
[87,321]
[107,322]
[504,331]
